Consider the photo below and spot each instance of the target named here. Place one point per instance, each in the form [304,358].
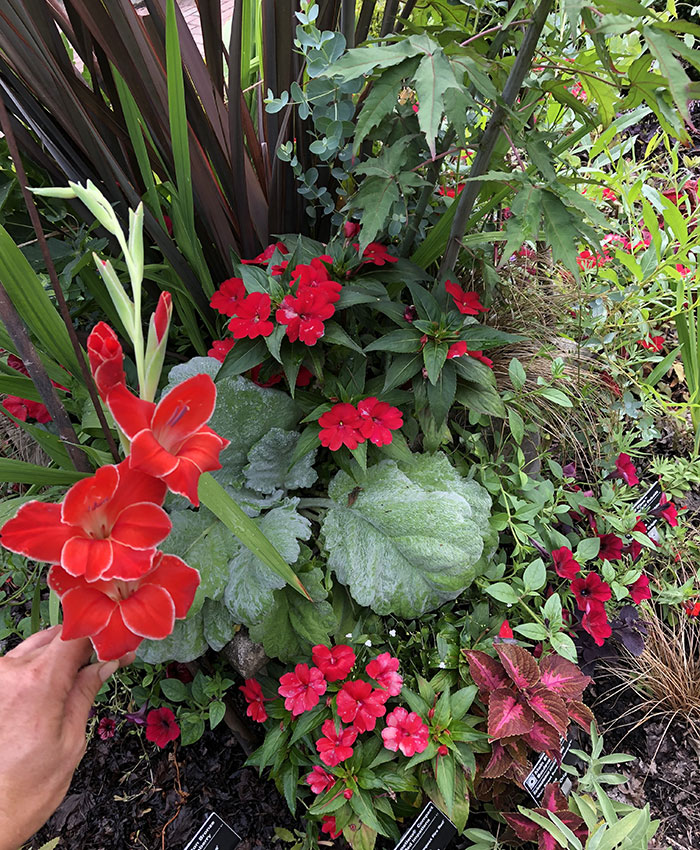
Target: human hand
[46,693]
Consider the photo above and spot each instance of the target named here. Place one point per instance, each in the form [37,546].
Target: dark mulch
[125,795]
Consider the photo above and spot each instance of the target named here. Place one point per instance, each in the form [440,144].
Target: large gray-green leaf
[412,539]
[186,643]
[219,625]
[249,592]
[196,366]
[268,462]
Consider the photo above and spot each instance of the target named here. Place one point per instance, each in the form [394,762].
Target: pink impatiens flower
[405,731]
[383,669]
[360,704]
[302,688]
[252,691]
[319,779]
[335,663]
[336,744]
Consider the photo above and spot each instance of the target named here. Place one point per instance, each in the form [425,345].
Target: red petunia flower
[457,349]
[161,727]
[263,258]
[252,691]
[625,469]
[639,590]
[328,825]
[117,615]
[591,590]
[351,229]
[335,663]
[379,419]
[565,565]
[466,302]
[106,359]
[654,343]
[376,253]
[383,669]
[335,745]
[220,348]
[302,688]
[610,547]
[251,319]
[319,780]
[668,511]
[340,426]
[108,526]
[595,622]
[170,440]
[106,728]
[406,732]
[229,296]
[304,315]
[360,704]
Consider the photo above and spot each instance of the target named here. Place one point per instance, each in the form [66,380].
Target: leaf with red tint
[486,672]
[581,714]
[519,665]
[563,677]
[499,762]
[522,826]
[508,716]
[553,800]
[543,738]
[549,707]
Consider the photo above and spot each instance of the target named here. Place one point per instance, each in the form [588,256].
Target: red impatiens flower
[328,825]
[314,276]
[457,349]
[302,688]
[24,408]
[591,590]
[565,565]
[336,745]
[272,379]
[479,355]
[625,469]
[639,590]
[161,727]
[360,704]
[117,615]
[229,296]
[340,426]
[383,669]
[304,377]
[505,632]
[335,663]
[251,319]
[377,254]
[252,691]
[654,343]
[405,731]
[266,256]
[108,526]
[608,194]
[170,440]
[351,229]
[692,609]
[466,302]
[106,359]
[595,622]
[319,780]
[220,348]
[304,315]
[379,419]
[588,260]
[611,547]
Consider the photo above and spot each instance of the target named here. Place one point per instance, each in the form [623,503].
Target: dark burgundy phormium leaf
[487,673]
[561,676]
[520,666]
[508,716]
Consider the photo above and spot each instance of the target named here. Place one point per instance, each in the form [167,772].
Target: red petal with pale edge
[203,450]
[180,580]
[184,480]
[549,707]
[83,556]
[563,677]
[61,582]
[486,672]
[149,612]
[85,612]
[553,799]
[523,827]
[89,495]
[115,639]
[135,485]
[507,716]
[129,564]
[543,738]
[142,525]
[519,665]
[36,532]
[131,413]
[184,409]
[147,455]
[581,714]
[498,764]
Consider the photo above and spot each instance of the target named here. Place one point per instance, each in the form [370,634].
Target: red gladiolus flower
[106,728]
[117,615]
[669,513]
[357,702]
[251,319]
[302,688]
[589,591]
[168,224]
[107,527]
[340,426]
[304,315]
[379,419]
[625,469]
[106,359]
[220,348]
[161,727]
[335,663]
[610,547]
[319,780]
[351,229]
[639,590]
[229,296]
[252,691]
[328,825]
[266,256]
[505,632]
[654,343]
[565,565]
[383,669]
[170,440]
[273,379]
[595,622]
[377,254]
[466,302]
[457,349]
[336,745]
[406,732]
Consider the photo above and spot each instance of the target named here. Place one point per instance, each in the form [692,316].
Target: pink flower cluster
[347,425]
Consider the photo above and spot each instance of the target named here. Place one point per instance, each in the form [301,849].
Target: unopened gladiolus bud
[161,317]
[156,344]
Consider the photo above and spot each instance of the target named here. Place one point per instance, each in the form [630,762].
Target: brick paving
[191,15]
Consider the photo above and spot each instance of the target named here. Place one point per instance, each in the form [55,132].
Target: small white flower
[392,632]
[368,642]
[441,665]
[348,635]
[509,605]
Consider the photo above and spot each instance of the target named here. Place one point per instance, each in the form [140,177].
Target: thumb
[85,688]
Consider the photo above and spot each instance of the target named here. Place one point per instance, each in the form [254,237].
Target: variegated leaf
[549,707]
[543,738]
[487,673]
[580,713]
[563,677]
[522,826]
[508,716]
[553,800]
[520,666]
[498,764]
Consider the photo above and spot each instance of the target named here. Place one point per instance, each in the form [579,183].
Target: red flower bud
[442,750]
[348,793]
[431,714]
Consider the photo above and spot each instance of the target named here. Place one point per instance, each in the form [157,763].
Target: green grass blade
[179,131]
[21,472]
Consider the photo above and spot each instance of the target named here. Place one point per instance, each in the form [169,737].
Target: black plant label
[431,830]
[546,770]
[214,834]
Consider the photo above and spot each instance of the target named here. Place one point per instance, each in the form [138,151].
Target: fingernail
[108,669]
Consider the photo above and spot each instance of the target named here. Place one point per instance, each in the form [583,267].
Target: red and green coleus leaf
[563,677]
[550,707]
[553,799]
[508,716]
[543,738]
[520,666]
[487,673]
[499,762]
[580,713]
[522,826]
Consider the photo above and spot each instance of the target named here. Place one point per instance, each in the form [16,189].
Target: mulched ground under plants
[125,796]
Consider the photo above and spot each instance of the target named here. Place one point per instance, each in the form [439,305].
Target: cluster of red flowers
[24,408]
[115,586]
[347,425]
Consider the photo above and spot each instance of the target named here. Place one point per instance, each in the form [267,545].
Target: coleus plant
[529,827]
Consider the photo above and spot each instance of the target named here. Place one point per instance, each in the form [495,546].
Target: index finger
[33,642]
